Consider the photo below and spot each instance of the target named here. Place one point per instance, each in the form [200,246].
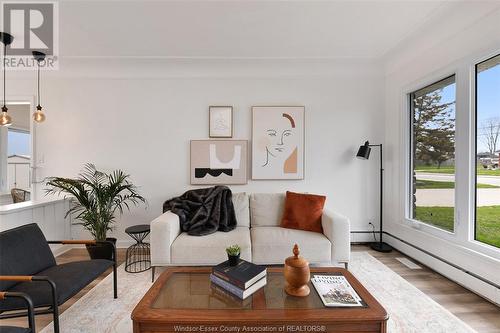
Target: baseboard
[468,281]
[361,237]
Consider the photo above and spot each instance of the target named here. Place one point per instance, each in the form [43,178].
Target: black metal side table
[138,258]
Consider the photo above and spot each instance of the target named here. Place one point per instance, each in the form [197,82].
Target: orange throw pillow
[303,211]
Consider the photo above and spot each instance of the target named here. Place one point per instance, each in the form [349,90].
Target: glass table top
[195,291]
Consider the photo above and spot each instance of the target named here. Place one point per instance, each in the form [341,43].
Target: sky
[488,99]
[19,143]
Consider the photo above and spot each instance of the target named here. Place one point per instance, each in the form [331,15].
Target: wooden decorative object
[297,274]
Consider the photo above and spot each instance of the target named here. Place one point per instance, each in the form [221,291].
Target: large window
[487,217]
[432,144]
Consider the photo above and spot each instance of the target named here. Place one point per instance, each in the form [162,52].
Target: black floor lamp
[364,153]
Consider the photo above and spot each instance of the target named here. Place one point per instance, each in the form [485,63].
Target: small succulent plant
[233,250]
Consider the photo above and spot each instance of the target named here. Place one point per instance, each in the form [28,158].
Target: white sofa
[258,233]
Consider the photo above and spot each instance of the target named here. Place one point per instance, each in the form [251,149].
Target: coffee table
[183,300]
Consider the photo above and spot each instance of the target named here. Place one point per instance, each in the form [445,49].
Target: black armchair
[31,315]
[27,265]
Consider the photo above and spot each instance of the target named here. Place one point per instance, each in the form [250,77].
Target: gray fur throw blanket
[204,211]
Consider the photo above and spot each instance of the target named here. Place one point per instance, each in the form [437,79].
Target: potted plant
[233,254]
[98,197]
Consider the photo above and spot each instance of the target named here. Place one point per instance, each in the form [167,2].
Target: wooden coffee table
[183,300]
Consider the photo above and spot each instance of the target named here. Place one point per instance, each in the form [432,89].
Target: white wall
[140,116]
[420,62]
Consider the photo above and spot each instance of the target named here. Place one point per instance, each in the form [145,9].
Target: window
[432,147]
[18,159]
[15,155]
[487,216]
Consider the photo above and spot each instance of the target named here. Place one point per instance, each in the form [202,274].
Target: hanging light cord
[3,65]
[38,61]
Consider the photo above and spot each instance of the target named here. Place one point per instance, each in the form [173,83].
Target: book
[336,291]
[241,293]
[228,298]
[243,275]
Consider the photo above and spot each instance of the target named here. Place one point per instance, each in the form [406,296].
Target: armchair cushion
[24,251]
[69,278]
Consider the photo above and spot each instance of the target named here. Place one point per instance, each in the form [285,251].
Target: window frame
[476,244]
[464,71]
[408,151]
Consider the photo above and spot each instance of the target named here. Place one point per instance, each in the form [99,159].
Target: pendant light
[6,39]
[38,116]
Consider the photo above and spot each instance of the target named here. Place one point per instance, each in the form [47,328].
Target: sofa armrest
[164,230]
[337,228]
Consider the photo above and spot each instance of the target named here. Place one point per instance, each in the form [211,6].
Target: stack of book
[241,280]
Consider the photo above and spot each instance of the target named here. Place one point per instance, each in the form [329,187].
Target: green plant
[233,250]
[98,197]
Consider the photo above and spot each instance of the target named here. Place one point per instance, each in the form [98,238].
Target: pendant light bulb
[38,116]
[5,119]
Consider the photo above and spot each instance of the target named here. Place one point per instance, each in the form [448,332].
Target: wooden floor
[480,314]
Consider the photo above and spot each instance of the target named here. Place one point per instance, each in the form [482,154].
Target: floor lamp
[364,153]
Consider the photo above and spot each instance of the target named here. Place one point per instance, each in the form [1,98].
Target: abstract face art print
[278,142]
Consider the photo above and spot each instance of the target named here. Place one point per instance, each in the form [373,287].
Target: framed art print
[220,121]
[278,142]
[218,162]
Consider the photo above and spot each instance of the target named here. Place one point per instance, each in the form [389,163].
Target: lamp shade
[364,151]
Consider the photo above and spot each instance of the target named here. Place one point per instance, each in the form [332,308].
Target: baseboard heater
[491,283]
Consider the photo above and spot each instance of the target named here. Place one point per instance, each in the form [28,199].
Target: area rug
[410,310]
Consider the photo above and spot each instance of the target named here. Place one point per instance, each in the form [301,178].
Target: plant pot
[233,260]
[101,250]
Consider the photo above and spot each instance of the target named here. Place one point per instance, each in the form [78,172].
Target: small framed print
[220,122]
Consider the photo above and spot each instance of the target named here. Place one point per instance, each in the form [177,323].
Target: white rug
[410,310]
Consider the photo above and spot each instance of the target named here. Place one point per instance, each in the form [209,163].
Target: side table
[138,258]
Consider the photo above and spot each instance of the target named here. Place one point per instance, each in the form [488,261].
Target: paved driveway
[444,177]
[446,197]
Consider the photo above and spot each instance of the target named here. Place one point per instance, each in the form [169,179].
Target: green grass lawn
[431,184]
[447,169]
[488,221]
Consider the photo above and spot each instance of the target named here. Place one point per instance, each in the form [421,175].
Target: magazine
[335,291]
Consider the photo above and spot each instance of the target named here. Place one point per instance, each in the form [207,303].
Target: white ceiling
[239,29]
[243,29]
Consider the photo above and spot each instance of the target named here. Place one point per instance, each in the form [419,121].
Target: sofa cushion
[23,251]
[241,209]
[266,209]
[209,249]
[303,211]
[272,245]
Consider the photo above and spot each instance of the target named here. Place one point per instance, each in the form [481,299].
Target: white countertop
[12,208]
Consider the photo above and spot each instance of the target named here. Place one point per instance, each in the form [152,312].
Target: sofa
[258,233]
